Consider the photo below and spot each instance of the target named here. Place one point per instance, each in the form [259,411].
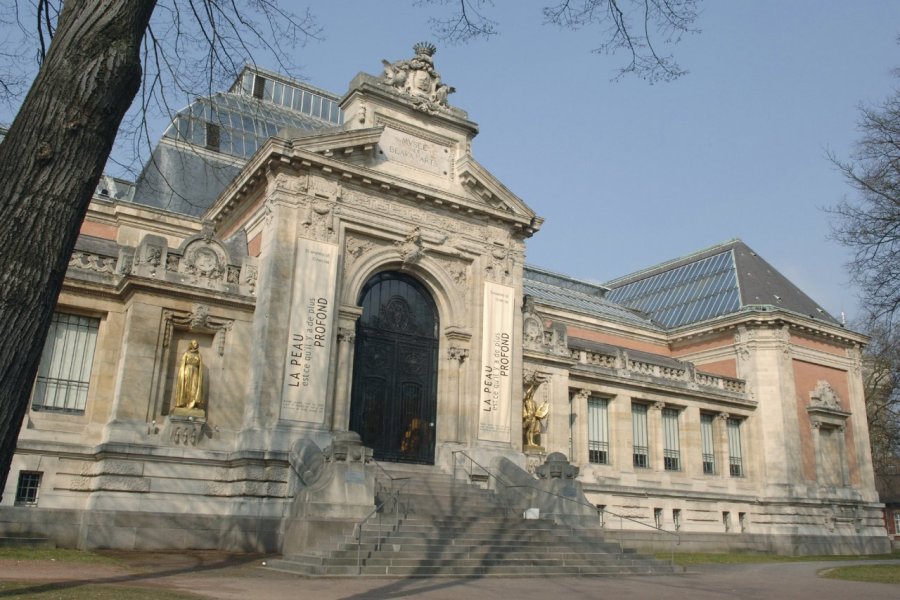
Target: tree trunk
[50,163]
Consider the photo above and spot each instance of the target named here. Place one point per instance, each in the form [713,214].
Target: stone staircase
[446,528]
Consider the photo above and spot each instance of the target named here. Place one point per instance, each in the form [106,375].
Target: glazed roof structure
[580,296]
[720,280]
[220,132]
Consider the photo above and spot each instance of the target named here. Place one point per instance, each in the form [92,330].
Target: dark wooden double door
[394,398]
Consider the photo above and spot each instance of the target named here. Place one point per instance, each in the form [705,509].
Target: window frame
[671,438]
[735,447]
[640,453]
[598,430]
[28,488]
[74,348]
[708,443]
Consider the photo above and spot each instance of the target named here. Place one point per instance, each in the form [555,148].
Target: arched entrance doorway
[394,400]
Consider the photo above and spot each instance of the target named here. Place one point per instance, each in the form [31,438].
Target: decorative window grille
[640,452]
[708,448]
[27,488]
[65,370]
[671,446]
[598,431]
[735,458]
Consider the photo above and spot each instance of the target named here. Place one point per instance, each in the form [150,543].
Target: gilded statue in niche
[533,415]
[189,383]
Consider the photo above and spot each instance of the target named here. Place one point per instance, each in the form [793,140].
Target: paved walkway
[241,577]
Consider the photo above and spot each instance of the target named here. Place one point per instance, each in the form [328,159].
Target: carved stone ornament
[532,325]
[825,396]
[417,79]
[319,219]
[354,248]
[204,259]
[557,466]
[198,320]
[412,248]
[92,262]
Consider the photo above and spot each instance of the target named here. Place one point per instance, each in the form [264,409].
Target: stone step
[445,528]
[473,571]
[486,554]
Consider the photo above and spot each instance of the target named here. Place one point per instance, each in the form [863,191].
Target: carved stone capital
[582,394]
[458,354]
[346,335]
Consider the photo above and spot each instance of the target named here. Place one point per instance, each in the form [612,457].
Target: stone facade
[746,430]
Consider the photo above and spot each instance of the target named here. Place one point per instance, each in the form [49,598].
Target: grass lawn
[54,591]
[867,573]
[686,559]
[59,554]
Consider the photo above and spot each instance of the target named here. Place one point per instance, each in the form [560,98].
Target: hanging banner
[495,399]
[312,324]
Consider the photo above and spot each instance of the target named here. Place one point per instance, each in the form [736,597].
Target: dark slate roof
[580,296]
[720,280]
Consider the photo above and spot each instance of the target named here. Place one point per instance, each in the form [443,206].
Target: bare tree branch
[869,224]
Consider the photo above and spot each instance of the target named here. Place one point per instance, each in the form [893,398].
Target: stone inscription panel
[312,324]
[415,152]
[495,398]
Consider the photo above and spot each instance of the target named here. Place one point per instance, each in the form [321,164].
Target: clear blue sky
[627,174]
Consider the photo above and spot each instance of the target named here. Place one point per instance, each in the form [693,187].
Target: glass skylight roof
[236,125]
[690,293]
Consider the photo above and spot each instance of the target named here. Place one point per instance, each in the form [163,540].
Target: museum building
[292,264]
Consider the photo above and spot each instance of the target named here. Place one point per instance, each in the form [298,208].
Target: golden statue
[532,414]
[189,382]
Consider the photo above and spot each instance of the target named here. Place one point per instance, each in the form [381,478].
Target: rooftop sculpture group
[418,79]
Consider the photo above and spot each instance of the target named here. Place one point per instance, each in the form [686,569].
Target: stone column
[723,456]
[457,356]
[655,436]
[579,427]
[621,433]
[691,448]
[817,451]
[842,452]
[347,317]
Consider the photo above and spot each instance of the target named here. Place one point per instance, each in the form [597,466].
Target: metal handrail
[393,494]
[677,537]
[506,507]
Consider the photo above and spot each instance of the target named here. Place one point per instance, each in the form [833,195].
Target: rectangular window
[897,522]
[676,518]
[27,488]
[658,517]
[213,135]
[726,520]
[742,521]
[708,448]
[601,513]
[671,445]
[735,457]
[259,86]
[640,451]
[598,431]
[65,369]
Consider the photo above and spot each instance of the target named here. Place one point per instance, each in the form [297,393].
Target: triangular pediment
[482,186]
